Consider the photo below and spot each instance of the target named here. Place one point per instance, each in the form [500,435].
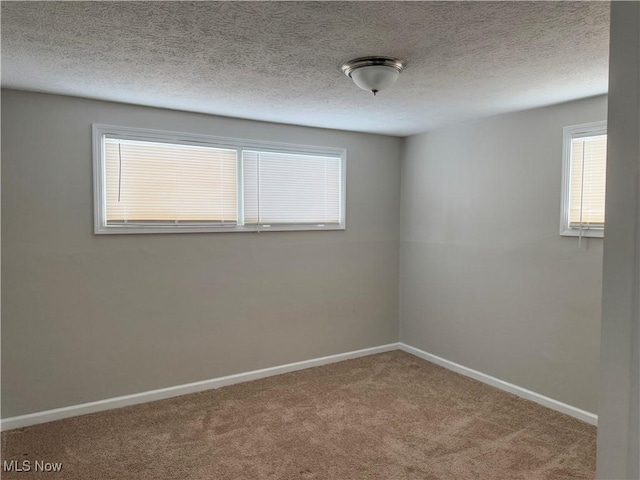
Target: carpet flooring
[390,416]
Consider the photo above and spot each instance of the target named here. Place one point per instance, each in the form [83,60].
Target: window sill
[590,233]
[142,229]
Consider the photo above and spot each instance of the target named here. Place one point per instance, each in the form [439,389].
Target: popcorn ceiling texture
[280,61]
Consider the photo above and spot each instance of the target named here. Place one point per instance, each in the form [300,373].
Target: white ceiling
[280,61]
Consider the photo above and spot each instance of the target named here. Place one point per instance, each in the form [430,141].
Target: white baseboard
[162,393]
[583,415]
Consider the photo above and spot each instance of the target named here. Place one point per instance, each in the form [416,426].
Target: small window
[160,182]
[584,180]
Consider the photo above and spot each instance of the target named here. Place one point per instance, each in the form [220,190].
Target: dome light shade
[373,74]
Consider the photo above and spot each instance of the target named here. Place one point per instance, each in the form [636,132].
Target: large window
[161,182]
[584,180]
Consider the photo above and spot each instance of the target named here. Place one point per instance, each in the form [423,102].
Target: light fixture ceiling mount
[373,74]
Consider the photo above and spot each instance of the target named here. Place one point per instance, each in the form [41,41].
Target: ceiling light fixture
[373,74]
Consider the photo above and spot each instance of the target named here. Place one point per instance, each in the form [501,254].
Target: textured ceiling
[280,61]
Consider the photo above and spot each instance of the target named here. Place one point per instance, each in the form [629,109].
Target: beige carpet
[389,416]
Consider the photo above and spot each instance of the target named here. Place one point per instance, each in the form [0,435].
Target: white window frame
[569,133]
[100,131]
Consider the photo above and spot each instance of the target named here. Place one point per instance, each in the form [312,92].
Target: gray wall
[89,317]
[486,280]
[619,413]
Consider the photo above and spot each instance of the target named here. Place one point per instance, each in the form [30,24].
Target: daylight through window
[149,182]
[585,165]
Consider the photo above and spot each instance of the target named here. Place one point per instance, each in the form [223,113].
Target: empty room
[320,240]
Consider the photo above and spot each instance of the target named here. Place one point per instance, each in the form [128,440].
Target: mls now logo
[28,466]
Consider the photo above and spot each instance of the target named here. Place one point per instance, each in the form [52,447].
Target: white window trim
[569,133]
[131,133]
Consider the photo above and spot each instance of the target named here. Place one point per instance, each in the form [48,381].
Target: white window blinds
[588,181]
[289,189]
[584,178]
[150,182]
